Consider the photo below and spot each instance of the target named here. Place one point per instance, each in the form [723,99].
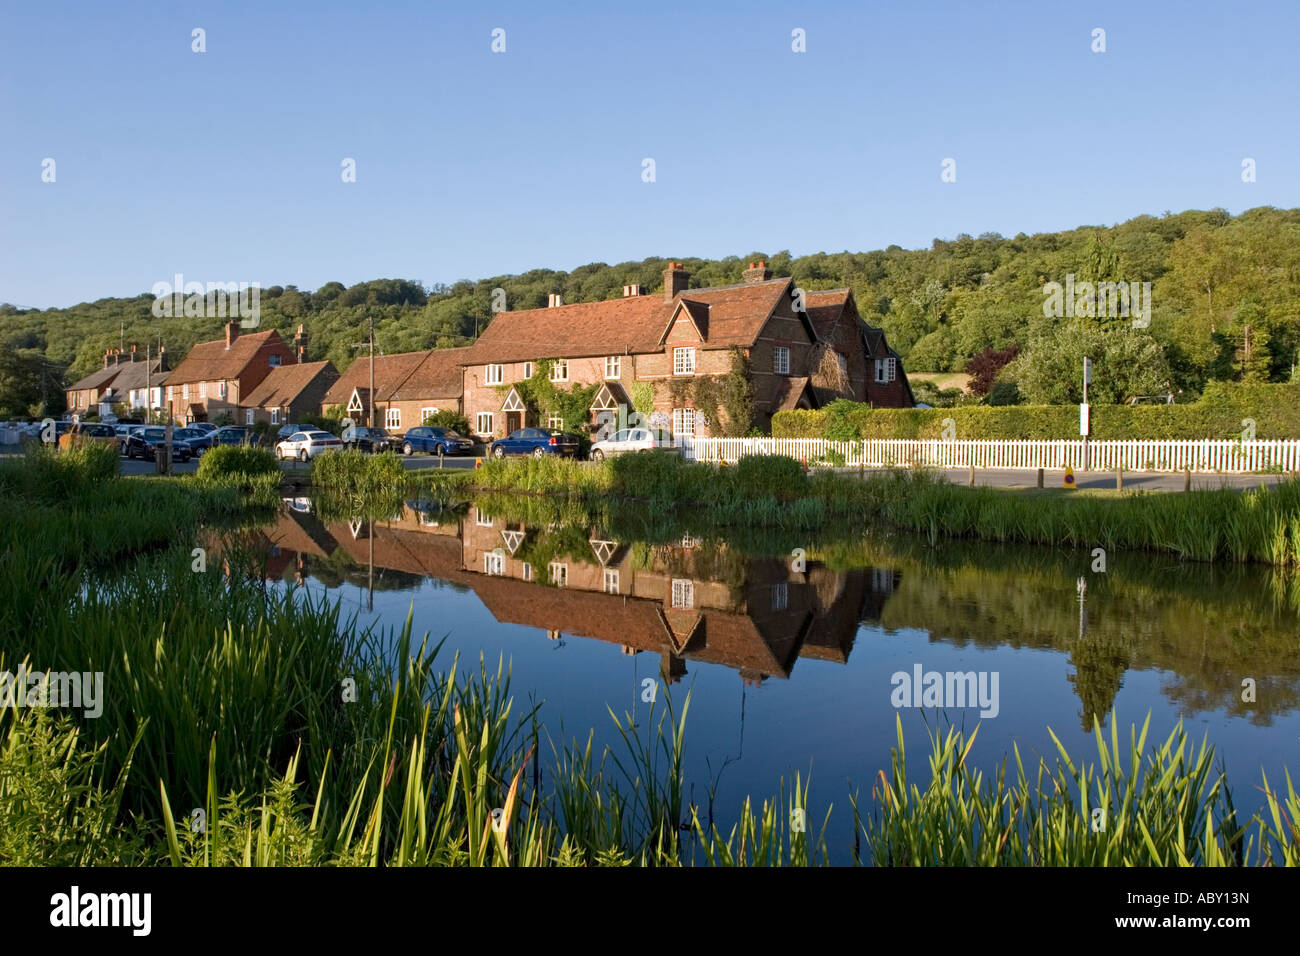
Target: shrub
[230,461]
[446,418]
[356,473]
[769,476]
[1004,393]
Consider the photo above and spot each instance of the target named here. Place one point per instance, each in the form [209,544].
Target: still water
[799,655]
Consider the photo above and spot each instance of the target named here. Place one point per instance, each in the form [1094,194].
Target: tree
[984,368]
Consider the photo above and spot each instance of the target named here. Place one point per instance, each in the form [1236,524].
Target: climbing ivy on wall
[545,399]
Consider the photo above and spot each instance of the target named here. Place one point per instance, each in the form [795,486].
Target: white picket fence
[1200,455]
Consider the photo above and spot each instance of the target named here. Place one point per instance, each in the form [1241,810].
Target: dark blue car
[198,440]
[234,435]
[435,441]
[536,442]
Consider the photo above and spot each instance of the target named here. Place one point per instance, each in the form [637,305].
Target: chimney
[108,358]
[300,344]
[135,357]
[631,290]
[757,272]
[675,279]
[232,333]
[553,300]
[118,356]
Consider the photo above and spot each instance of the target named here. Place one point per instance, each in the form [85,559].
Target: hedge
[1219,413]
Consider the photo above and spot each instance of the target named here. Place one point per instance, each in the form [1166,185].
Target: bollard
[1187,480]
[971,480]
[478,463]
[1040,477]
[1119,480]
[1069,477]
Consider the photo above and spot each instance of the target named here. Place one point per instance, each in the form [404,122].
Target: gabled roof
[825,308]
[725,315]
[96,379]
[438,375]
[284,384]
[212,361]
[391,371]
[133,375]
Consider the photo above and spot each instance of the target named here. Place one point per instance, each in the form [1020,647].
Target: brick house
[288,393]
[408,387]
[657,346]
[855,362]
[124,379]
[215,377]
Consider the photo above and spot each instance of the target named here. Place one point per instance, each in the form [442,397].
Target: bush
[1275,410]
[769,476]
[446,418]
[1004,393]
[46,474]
[356,473]
[230,461]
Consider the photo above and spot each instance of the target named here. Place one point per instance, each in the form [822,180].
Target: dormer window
[273,360]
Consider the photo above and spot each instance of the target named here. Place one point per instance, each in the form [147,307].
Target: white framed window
[780,595]
[560,370]
[555,422]
[221,390]
[248,416]
[781,360]
[528,370]
[683,593]
[683,421]
[559,574]
[482,518]
[527,571]
[882,580]
[273,360]
[185,392]
[886,370]
[684,361]
[611,580]
[494,564]
[275,416]
[203,389]
[426,412]
[393,418]
[492,375]
[484,423]
[613,366]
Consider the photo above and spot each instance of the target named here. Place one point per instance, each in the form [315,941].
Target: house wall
[410,410]
[480,397]
[892,394]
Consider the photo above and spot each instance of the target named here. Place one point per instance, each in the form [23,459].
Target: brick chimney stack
[675,279]
[757,272]
[135,357]
[300,344]
[108,358]
[232,333]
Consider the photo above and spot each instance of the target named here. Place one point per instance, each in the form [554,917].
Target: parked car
[365,438]
[631,439]
[307,445]
[84,432]
[287,430]
[536,442]
[145,441]
[235,435]
[198,440]
[434,440]
[206,427]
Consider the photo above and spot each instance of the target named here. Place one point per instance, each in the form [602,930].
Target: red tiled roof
[727,316]
[825,308]
[437,376]
[284,384]
[96,379]
[212,361]
[390,372]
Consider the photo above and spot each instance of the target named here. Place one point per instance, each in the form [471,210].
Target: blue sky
[225,165]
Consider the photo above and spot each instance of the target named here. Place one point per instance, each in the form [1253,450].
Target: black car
[368,439]
[198,440]
[235,435]
[145,442]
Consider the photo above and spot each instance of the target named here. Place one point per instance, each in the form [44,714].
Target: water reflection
[760,613]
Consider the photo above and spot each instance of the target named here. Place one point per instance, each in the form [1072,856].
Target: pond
[799,656]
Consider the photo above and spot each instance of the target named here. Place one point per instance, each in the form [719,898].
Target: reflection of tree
[1099,661]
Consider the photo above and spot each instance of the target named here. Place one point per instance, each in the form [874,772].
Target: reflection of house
[754,615]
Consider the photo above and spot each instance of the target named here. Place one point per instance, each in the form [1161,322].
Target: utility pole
[371,420]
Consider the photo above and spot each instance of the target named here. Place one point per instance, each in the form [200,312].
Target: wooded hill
[1225,306]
